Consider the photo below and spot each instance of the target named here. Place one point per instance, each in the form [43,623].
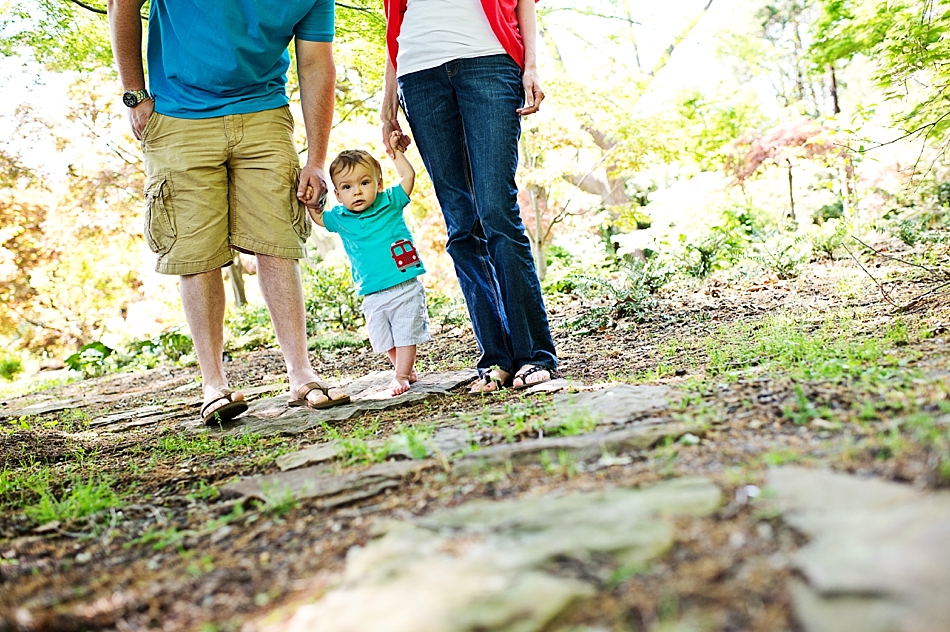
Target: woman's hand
[533,94]
[389,113]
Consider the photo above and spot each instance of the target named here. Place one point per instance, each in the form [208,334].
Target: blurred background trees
[734,137]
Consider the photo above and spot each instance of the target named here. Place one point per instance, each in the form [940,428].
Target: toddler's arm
[403,167]
[316,216]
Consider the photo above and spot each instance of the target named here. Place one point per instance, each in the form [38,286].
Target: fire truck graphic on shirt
[404,254]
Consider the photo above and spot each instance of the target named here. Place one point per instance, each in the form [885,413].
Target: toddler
[384,263]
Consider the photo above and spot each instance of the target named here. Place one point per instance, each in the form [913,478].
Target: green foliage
[168,346]
[802,349]
[205,444]
[447,310]
[330,299]
[62,36]
[278,502]
[10,367]
[628,295]
[333,340]
[719,246]
[920,228]
[249,327]
[705,127]
[81,497]
[90,360]
[907,40]
[516,421]
[827,237]
[783,254]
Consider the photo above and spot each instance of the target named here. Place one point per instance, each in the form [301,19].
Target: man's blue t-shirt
[375,241]
[210,59]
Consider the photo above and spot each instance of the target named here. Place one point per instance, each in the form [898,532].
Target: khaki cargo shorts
[222,183]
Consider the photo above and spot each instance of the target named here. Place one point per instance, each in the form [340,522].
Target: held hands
[533,94]
[397,142]
[393,138]
[312,190]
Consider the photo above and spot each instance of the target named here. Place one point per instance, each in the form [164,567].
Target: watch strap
[131,98]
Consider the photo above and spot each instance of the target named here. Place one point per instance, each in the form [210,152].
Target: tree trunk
[833,89]
[791,193]
[237,281]
[539,199]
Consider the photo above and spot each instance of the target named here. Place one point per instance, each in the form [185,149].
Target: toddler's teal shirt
[368,238]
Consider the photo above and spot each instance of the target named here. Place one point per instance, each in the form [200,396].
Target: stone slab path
[308,473]
[484,566]
[878,559]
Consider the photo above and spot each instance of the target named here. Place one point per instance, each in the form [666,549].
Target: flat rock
[583,447]
[617,405]
[483,566]
[878,558]
[331,490]
[445,442]
[370,394]
[309,456]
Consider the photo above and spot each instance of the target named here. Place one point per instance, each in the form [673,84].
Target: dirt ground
[150,564]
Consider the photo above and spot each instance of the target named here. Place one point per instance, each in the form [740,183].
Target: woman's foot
[529,375]
[490,382]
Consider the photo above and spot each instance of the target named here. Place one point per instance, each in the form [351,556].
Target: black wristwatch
[131,98]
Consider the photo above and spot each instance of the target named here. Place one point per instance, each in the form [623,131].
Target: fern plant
[629,296]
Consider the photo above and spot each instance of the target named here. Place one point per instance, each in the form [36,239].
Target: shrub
[447,310]
[783,254]
[828,237]
[330,299]
[10,367]
[249,327]
[170,345]
[628,296]
[90,360]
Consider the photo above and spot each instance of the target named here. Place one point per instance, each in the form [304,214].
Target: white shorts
[397,316]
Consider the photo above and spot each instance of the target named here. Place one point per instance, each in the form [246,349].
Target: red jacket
[501,15]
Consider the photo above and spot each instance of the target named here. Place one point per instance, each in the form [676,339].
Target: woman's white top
[437,31]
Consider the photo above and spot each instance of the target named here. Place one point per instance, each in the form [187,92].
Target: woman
[464,72]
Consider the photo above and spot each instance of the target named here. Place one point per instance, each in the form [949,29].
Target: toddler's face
[357,188]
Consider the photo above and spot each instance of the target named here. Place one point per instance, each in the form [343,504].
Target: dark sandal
[229,411]
[308,388]
[523,376]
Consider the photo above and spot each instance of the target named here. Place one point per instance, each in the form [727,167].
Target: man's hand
[312,190]
[533,94]
[139,116]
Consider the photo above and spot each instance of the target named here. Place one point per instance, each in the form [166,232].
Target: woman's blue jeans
[464,122]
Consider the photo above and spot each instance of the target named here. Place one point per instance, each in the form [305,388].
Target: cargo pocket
[300,217]
[159,228]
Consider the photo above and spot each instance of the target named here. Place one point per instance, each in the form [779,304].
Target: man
[222,170]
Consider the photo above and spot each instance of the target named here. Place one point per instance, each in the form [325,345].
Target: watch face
[130,99]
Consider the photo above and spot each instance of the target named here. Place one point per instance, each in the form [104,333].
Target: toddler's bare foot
[400,383]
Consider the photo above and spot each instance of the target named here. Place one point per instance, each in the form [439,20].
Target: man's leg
[202,296]
[281,288]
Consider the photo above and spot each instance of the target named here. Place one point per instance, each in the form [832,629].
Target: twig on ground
[943,276]
[876,282]
[938,272]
